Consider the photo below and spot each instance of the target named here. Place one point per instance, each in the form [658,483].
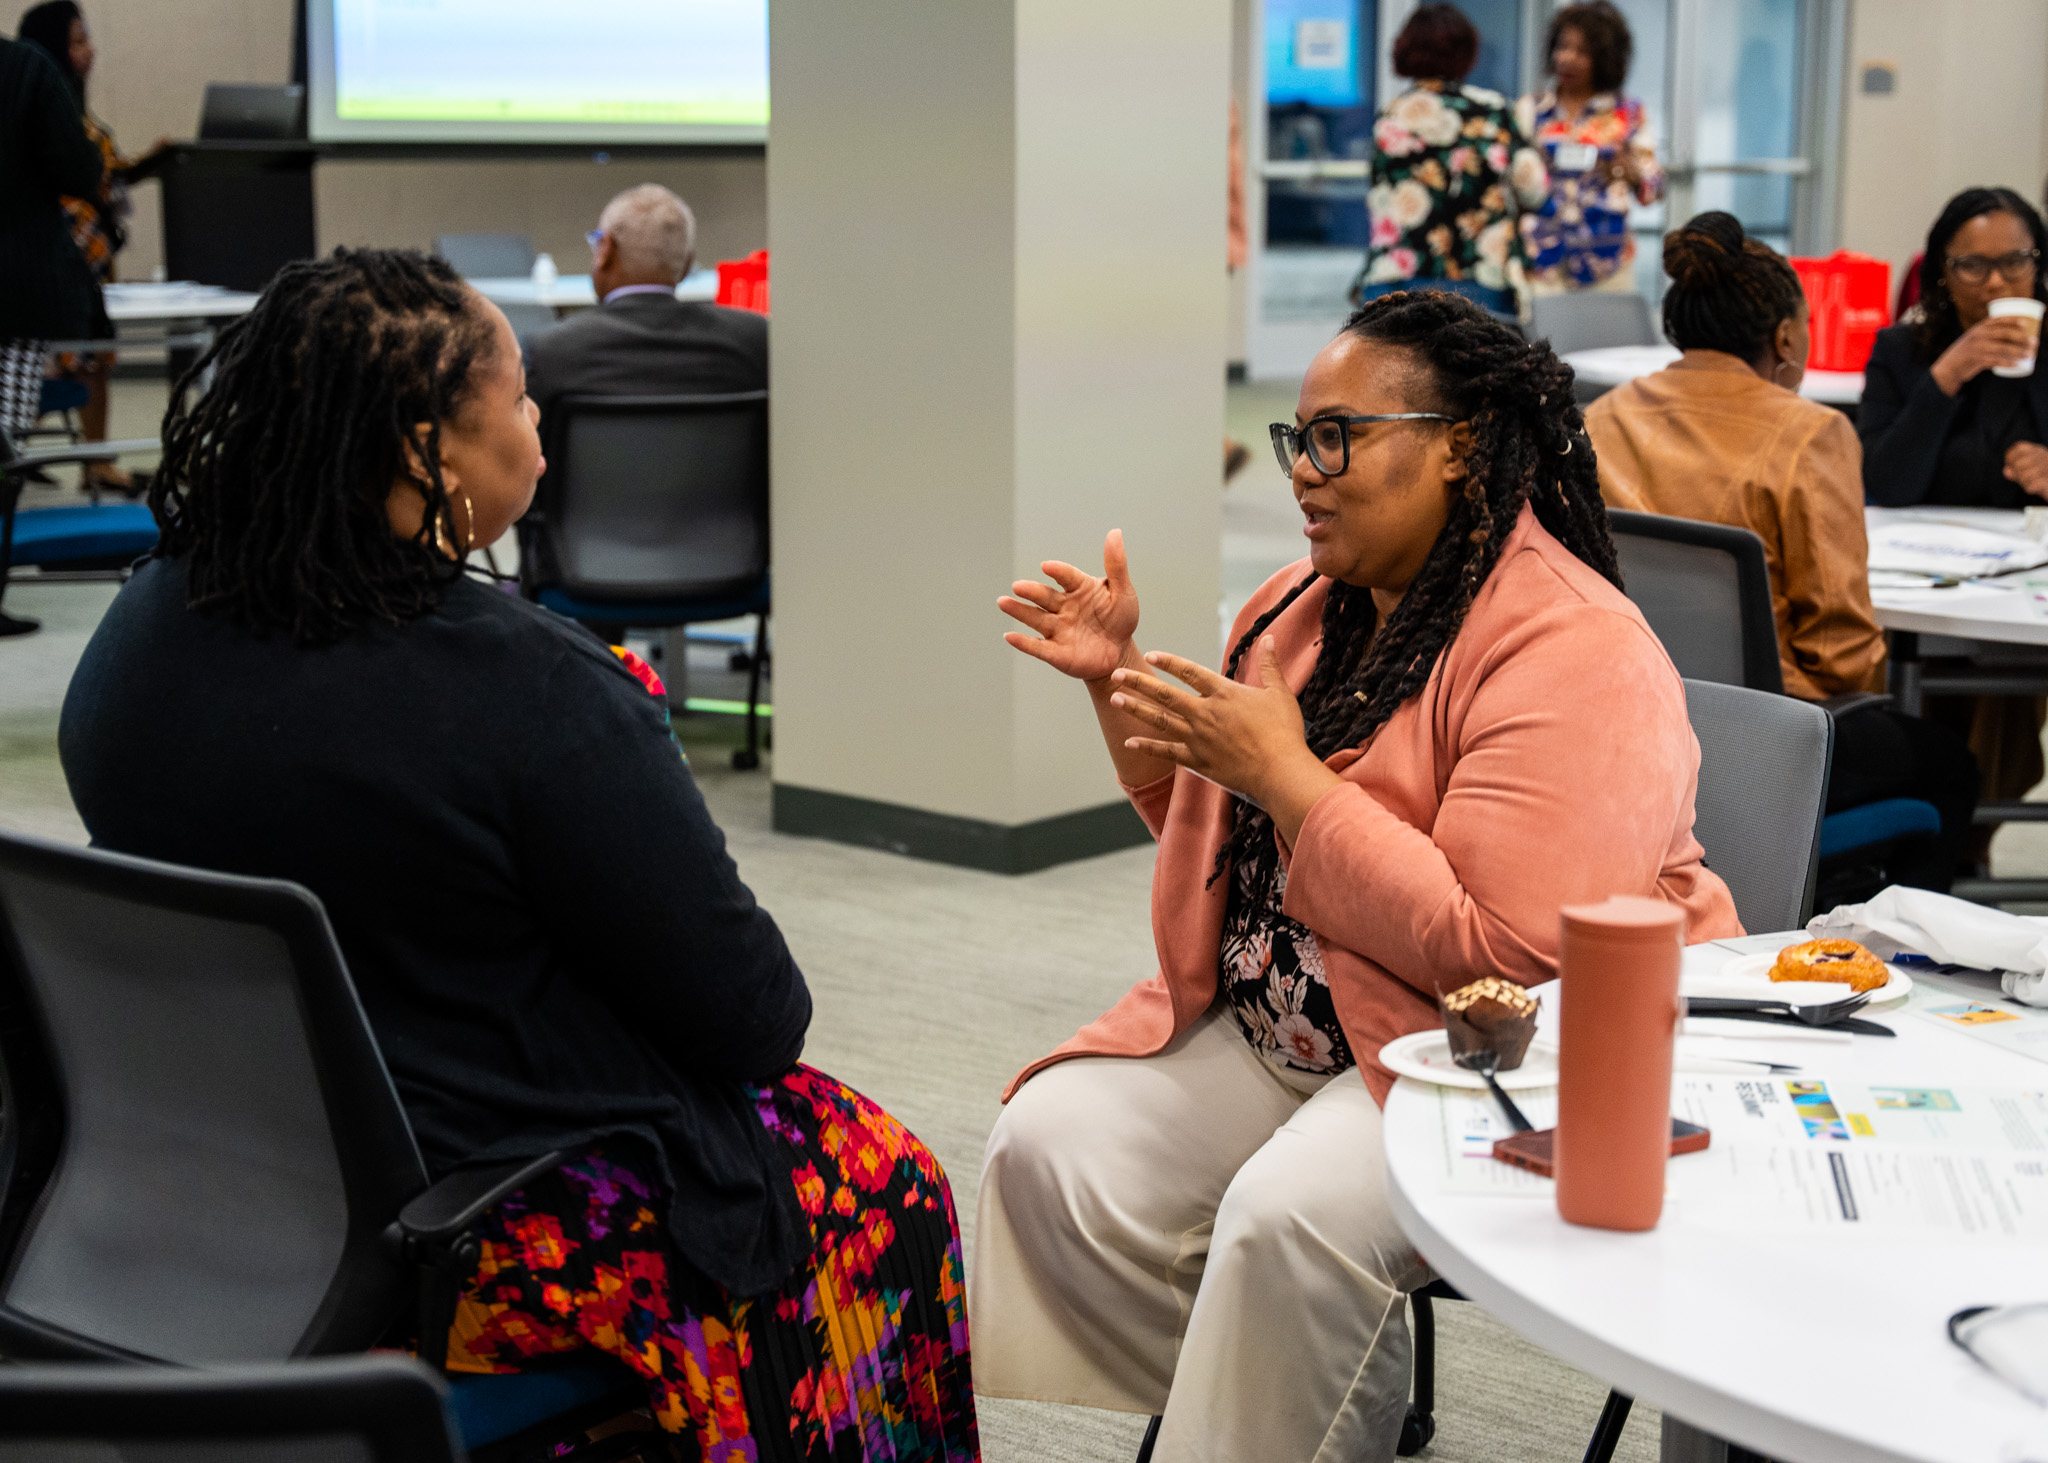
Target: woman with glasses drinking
[1443,724]
[1939,424]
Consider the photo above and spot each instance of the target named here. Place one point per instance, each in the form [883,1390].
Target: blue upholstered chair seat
[654,614]
[1877,823]
[58,535]
[488,1408]
[61,393]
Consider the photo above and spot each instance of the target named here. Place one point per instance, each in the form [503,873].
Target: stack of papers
[1812,1152]
[1949,550]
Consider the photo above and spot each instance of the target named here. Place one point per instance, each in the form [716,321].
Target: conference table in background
[2000,624]
[570,292]
[1784,1302]
[1614,365]
[162,316]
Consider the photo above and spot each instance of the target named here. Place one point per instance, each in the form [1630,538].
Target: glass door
[1755,102]
[1320,67]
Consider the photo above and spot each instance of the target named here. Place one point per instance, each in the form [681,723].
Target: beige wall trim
[971,843]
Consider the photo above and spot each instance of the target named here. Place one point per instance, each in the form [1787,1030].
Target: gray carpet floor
[934,984]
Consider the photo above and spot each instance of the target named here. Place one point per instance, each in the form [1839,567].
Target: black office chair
[653,513]
[360,1409]
[1584,320]
[1705,589]
[205,1161]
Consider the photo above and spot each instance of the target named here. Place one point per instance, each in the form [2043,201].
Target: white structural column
[998,241]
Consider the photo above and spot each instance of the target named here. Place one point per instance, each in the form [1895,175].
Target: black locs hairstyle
[1728,291]
[1529,445]
[326,396]
[1939,325]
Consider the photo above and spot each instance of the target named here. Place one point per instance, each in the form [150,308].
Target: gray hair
[653,230]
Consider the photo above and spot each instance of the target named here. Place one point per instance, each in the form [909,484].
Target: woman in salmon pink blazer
[1442,727]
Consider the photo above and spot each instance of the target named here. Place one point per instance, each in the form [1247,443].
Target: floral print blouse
[1449,165]
[1580,236]
[1273,979]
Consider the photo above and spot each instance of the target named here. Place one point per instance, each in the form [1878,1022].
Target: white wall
[1970,107]
[998,234]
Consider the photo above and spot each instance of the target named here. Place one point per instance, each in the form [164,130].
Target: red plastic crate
[743,283]
[1850,297]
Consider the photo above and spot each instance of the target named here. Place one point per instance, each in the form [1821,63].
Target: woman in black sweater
[1938,425]
[49,292]
[550,940]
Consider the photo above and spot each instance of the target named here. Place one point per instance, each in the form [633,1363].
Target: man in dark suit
[45,155]
[641,340]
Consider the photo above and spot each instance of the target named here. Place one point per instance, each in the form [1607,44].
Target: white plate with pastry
[1748,977]
[1426,1056]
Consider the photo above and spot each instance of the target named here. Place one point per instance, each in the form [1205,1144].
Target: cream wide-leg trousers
[1201,1234]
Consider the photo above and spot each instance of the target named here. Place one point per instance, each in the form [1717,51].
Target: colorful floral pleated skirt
[861,1354]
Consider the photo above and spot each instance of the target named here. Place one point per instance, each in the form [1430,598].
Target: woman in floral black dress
[1449,168]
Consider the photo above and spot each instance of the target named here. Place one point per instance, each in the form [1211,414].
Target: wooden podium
[236,212]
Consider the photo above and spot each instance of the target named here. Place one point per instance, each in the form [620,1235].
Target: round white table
[1821,1347]
[1613,365]
[135,304]
[575,291]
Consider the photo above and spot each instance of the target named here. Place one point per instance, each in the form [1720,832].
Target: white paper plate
[1426,1056]
[1748,978]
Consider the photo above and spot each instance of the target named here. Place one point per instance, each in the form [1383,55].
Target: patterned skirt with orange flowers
[860,1354]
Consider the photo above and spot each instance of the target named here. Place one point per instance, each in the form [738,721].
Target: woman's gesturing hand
[1086,624]
[1250,739]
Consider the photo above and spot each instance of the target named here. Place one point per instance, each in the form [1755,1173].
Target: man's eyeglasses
[594,238]
[1976,268]
[1327,440]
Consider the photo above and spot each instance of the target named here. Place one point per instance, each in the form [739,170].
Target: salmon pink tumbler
[1619,965]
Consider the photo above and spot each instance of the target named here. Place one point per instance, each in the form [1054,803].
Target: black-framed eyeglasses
[1976,268]
[1327,440]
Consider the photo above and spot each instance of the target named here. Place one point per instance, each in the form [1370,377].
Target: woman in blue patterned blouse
[1598,149]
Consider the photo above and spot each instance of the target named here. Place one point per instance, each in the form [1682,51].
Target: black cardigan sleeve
[631,875]
[1903,421]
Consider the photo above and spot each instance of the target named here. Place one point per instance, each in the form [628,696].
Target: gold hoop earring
[468,524]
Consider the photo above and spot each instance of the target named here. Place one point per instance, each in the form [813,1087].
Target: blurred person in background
[97,215]
[1939,426]
[1598,151]
[1723,436]
[1449,168]
[44,154]
[641,340]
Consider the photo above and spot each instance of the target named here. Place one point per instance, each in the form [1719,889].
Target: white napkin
[1952,931]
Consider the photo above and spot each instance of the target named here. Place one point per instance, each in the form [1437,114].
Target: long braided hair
[325,397]
[1529,445]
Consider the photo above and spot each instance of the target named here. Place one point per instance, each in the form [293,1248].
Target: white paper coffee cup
[2018,307]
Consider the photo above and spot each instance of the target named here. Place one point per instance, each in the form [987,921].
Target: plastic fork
[1824,1015]
[1486,1062]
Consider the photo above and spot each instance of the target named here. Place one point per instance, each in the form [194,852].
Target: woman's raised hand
[1998,341]
[1084,626]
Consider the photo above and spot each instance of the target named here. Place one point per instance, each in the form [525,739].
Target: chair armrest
[451,1206]
[1840,706]
[82,452]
